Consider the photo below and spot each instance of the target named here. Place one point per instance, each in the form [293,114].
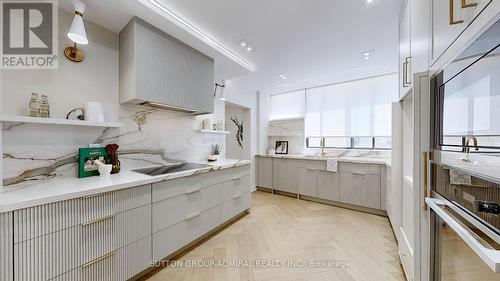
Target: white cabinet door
[449,19]
[328,185]
[405,51]
[264,172]
[6,243]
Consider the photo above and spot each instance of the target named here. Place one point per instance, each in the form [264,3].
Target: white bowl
[105,170]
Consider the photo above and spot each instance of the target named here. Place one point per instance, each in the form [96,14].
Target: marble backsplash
[148,137]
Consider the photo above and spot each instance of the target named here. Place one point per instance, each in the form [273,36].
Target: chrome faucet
[467,147]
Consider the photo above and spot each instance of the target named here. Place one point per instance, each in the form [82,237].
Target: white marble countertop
[14,198]
[352,159]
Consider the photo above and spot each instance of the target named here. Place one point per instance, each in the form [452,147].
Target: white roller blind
[288,105]
[357,108]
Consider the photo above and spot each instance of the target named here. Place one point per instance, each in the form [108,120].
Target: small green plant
[216,149]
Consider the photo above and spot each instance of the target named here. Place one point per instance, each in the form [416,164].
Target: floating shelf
[214,132]
[54,121]
[284,135]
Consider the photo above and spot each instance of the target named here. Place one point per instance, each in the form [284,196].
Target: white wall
[233,149]
[149,136]
[240,93]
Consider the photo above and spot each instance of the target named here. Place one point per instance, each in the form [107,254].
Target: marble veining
[65,188]
[149,136]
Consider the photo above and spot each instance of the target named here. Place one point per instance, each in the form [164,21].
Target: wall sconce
[222,95]
[77,34]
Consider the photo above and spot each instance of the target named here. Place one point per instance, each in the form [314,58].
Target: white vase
[94,112]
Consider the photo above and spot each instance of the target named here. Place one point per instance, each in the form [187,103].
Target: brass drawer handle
[193,191]
[358,174]
[99,259]
[98,220]
[195,215]
[468,5]
[452,12]
[236,196]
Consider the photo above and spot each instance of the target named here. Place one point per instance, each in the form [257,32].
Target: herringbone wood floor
[282,228]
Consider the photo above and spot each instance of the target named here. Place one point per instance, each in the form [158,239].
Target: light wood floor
[282,228]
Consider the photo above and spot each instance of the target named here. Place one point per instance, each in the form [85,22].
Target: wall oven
[465,191]
[465,226]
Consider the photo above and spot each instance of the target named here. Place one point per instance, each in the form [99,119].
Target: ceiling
[306,40]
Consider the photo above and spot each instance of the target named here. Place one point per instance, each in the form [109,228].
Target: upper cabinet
[158,70]
[404,51]
[449,19]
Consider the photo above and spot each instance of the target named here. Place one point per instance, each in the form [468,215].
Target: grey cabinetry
[157,68]
[264,172]
[84,238]
[286,175]
[185,209]
[328,185]
[309,177]
[360,185]
[6,242]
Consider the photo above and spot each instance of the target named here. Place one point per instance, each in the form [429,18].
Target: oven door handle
[489,256]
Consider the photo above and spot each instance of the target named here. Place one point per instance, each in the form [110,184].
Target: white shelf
[54,121]
[214,132]
[284,135]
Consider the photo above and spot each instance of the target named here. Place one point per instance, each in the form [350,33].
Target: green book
[86,165]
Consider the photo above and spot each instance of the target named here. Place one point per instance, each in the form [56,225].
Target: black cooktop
[168,169]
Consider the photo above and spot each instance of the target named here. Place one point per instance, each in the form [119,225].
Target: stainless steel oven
[465,226]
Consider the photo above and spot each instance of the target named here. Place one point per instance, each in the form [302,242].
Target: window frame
[351,143]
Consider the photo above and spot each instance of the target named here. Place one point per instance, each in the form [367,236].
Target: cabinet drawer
[121,265]
[97,239]
[132,225]
[132,259]
[173,238]
[6,242]
[236,186]
[41,220]
[168,189]
[235,206]
[172,188]
[360,168]
[192,201]
[48,256]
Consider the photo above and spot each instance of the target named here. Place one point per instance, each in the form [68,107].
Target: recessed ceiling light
[367,54]
[283,76]
[249,48]
[369,1]
[243,43]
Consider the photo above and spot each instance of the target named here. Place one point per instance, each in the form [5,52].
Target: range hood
[160,71]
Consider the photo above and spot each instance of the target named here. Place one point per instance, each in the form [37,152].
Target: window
[287,106]
[354,114]
[350,142]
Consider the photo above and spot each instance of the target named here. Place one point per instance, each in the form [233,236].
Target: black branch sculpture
[239,133]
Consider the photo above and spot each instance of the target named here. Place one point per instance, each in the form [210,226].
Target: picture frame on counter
[281,147]
[86,158]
